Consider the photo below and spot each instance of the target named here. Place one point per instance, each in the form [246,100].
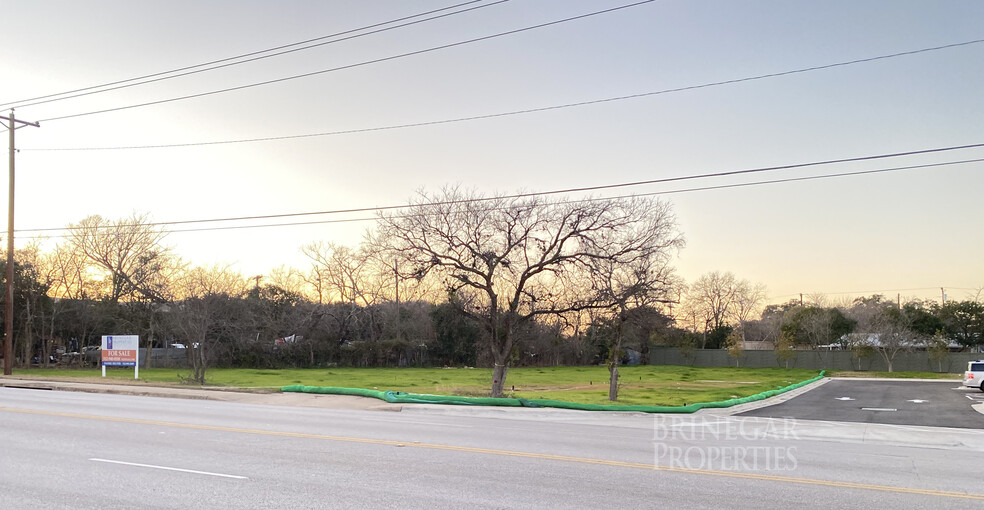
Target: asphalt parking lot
[923,403]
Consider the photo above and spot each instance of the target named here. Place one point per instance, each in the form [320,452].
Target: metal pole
[8,310]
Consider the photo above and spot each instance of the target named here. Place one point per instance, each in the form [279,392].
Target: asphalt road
[77,450]
[922,403]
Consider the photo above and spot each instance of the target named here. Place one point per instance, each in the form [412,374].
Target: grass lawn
[639,385]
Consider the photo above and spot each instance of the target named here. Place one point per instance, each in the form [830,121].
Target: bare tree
[68,270]
[630,283]
[288,279]
[130,254]
[748,298]
[511,260]
[883,324]
[206,315]
[712,295]
[69,273]
[720,299]
[135,264]
[216,279]
[347,277]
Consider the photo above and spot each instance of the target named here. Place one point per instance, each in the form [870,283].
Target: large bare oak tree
[512,259]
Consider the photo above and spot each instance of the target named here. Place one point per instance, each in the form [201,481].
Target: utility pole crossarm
[13,122]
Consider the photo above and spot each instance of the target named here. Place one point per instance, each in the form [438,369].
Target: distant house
[287,340]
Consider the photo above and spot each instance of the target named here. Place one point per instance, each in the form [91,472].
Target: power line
[524,195]
[879,291]
[160,76]
[576,190]
[495,115]
[351,66]
[816,177]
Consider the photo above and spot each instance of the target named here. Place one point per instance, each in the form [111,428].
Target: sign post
[121,351]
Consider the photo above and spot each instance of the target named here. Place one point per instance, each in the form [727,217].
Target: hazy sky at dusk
[908,232]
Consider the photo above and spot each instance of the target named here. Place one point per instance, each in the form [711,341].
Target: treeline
[867,326]
[455,279]
[270,327]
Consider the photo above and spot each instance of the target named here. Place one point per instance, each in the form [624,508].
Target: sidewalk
[241,395]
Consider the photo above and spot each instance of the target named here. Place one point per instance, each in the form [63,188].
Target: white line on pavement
[169,468]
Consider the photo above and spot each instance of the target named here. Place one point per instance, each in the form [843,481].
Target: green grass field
[639,385]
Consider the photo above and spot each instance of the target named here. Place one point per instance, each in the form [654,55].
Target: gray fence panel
[955,362]
[159,358]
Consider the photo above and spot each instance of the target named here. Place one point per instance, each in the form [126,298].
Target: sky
[905,233]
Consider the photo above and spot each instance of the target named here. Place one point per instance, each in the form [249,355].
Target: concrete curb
[778,399]
[263,397]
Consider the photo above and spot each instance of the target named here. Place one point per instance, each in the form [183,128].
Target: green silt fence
[399,397]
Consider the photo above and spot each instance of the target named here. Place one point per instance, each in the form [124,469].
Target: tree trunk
[199,356]
[499,377]
[501,349]
[613,380]
[613,362]
[150,344]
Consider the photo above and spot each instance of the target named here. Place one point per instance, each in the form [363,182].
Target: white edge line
[169,468]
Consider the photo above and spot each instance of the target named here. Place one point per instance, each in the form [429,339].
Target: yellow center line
[512,453]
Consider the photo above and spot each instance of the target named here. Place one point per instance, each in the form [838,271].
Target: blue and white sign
[121,351]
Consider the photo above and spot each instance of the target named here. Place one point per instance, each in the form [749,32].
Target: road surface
[100,451]
[926,403]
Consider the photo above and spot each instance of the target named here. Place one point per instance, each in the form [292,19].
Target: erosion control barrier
[399,397]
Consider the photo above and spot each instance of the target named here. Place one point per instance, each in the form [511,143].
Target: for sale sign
[120,351]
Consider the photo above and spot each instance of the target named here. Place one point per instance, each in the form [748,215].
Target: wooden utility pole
[8,320]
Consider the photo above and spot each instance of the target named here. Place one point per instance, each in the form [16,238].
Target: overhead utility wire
[519,112]
[570,190]
[574,190]
[350,66]
[868,291]
[590,199]
[160,76]
[596,199]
